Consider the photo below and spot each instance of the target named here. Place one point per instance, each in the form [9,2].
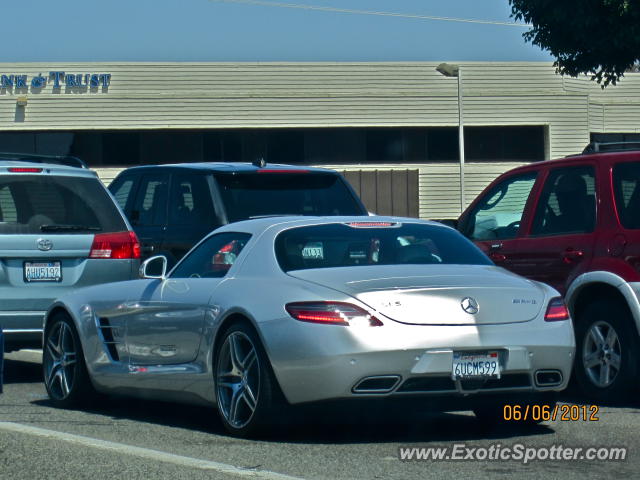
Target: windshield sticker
[313,251]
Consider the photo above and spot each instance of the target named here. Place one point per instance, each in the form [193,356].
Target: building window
[334,146]
[385,145]
[522,143]
[170,146]
[442,144]
[120,148]
[285,146]
[615,137]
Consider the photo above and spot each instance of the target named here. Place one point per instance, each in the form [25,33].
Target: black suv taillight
[332,313]
[121,245]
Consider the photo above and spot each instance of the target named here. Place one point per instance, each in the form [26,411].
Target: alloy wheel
[601,354]
[238,379]
[60,361]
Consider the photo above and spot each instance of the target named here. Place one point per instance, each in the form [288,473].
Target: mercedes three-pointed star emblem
[470,305]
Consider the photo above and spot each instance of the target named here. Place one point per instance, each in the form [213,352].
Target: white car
[291,310]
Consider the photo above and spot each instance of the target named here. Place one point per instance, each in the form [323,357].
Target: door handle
[497,257]
[571,255]
[493,252]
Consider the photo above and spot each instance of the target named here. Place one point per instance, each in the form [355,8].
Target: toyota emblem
[44,244]
[470,305]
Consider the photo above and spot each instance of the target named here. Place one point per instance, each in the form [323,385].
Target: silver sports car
[269,312]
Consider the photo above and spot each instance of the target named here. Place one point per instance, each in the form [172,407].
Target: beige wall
[280,95]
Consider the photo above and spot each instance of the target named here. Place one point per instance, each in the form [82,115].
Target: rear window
[254,195]
[626,188]
[32,204]
[346,245]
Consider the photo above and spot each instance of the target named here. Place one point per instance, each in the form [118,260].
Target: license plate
[42,272]
[475,365]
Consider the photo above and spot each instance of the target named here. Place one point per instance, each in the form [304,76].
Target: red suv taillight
[122,245]
[332,313]
[556,310]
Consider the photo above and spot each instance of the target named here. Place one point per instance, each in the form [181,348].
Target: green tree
[596,37]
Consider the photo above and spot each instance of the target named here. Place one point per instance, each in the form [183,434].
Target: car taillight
[282,170]
[332,313]
[25,170]
[556,311]
[122,245]
[371,224]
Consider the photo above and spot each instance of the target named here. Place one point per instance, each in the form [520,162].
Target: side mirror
[154,267]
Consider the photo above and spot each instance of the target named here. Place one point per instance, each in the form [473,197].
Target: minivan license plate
[475,365]
[42,271]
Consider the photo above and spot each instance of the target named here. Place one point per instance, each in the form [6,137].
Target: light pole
[452,70]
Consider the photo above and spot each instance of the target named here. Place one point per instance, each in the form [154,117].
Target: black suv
[171,207]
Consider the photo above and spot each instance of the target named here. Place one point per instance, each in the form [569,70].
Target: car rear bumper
[22,329]
[22,320]
[17,339]
[24,305]
[323,362]
[1,358]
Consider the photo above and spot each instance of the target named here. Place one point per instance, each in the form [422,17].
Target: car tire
[65,371]
[606,362]
[493,414]
[248,396]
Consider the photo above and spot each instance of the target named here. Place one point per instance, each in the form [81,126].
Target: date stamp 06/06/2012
[560,412]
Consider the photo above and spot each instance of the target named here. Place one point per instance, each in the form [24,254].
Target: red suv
[574,223]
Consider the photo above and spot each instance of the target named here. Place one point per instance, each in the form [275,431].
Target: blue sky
[208,30]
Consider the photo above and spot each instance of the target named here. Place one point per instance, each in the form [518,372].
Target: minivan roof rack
[599,147]
[68,160]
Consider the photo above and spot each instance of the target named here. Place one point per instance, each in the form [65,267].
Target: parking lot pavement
[138,439]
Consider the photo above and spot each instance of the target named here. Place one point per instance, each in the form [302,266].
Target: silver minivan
[60,229]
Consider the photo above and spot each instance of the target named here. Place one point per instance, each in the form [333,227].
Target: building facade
[367,119]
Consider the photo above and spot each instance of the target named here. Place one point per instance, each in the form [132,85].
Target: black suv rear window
[626,188]
[258,194]
[31,204]
[347,245]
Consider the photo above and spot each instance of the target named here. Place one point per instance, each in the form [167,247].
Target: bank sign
[56,80]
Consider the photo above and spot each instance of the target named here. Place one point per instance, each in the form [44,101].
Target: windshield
[32,204]
[254,195]
[345,245]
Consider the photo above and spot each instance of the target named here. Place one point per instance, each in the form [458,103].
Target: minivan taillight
[25,170]
[556,310]
[122,245]
[332,313]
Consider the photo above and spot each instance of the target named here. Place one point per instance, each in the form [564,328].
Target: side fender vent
[107,332]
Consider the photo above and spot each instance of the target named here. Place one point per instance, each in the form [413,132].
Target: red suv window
[567,204]
[498,214]
[626,188]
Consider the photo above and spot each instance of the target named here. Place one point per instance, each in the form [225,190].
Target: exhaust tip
[376,384]
[548,378]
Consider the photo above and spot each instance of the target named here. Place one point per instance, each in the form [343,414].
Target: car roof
[575,160]
[67,160]
[47,169]
[279,223]
[232,167]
